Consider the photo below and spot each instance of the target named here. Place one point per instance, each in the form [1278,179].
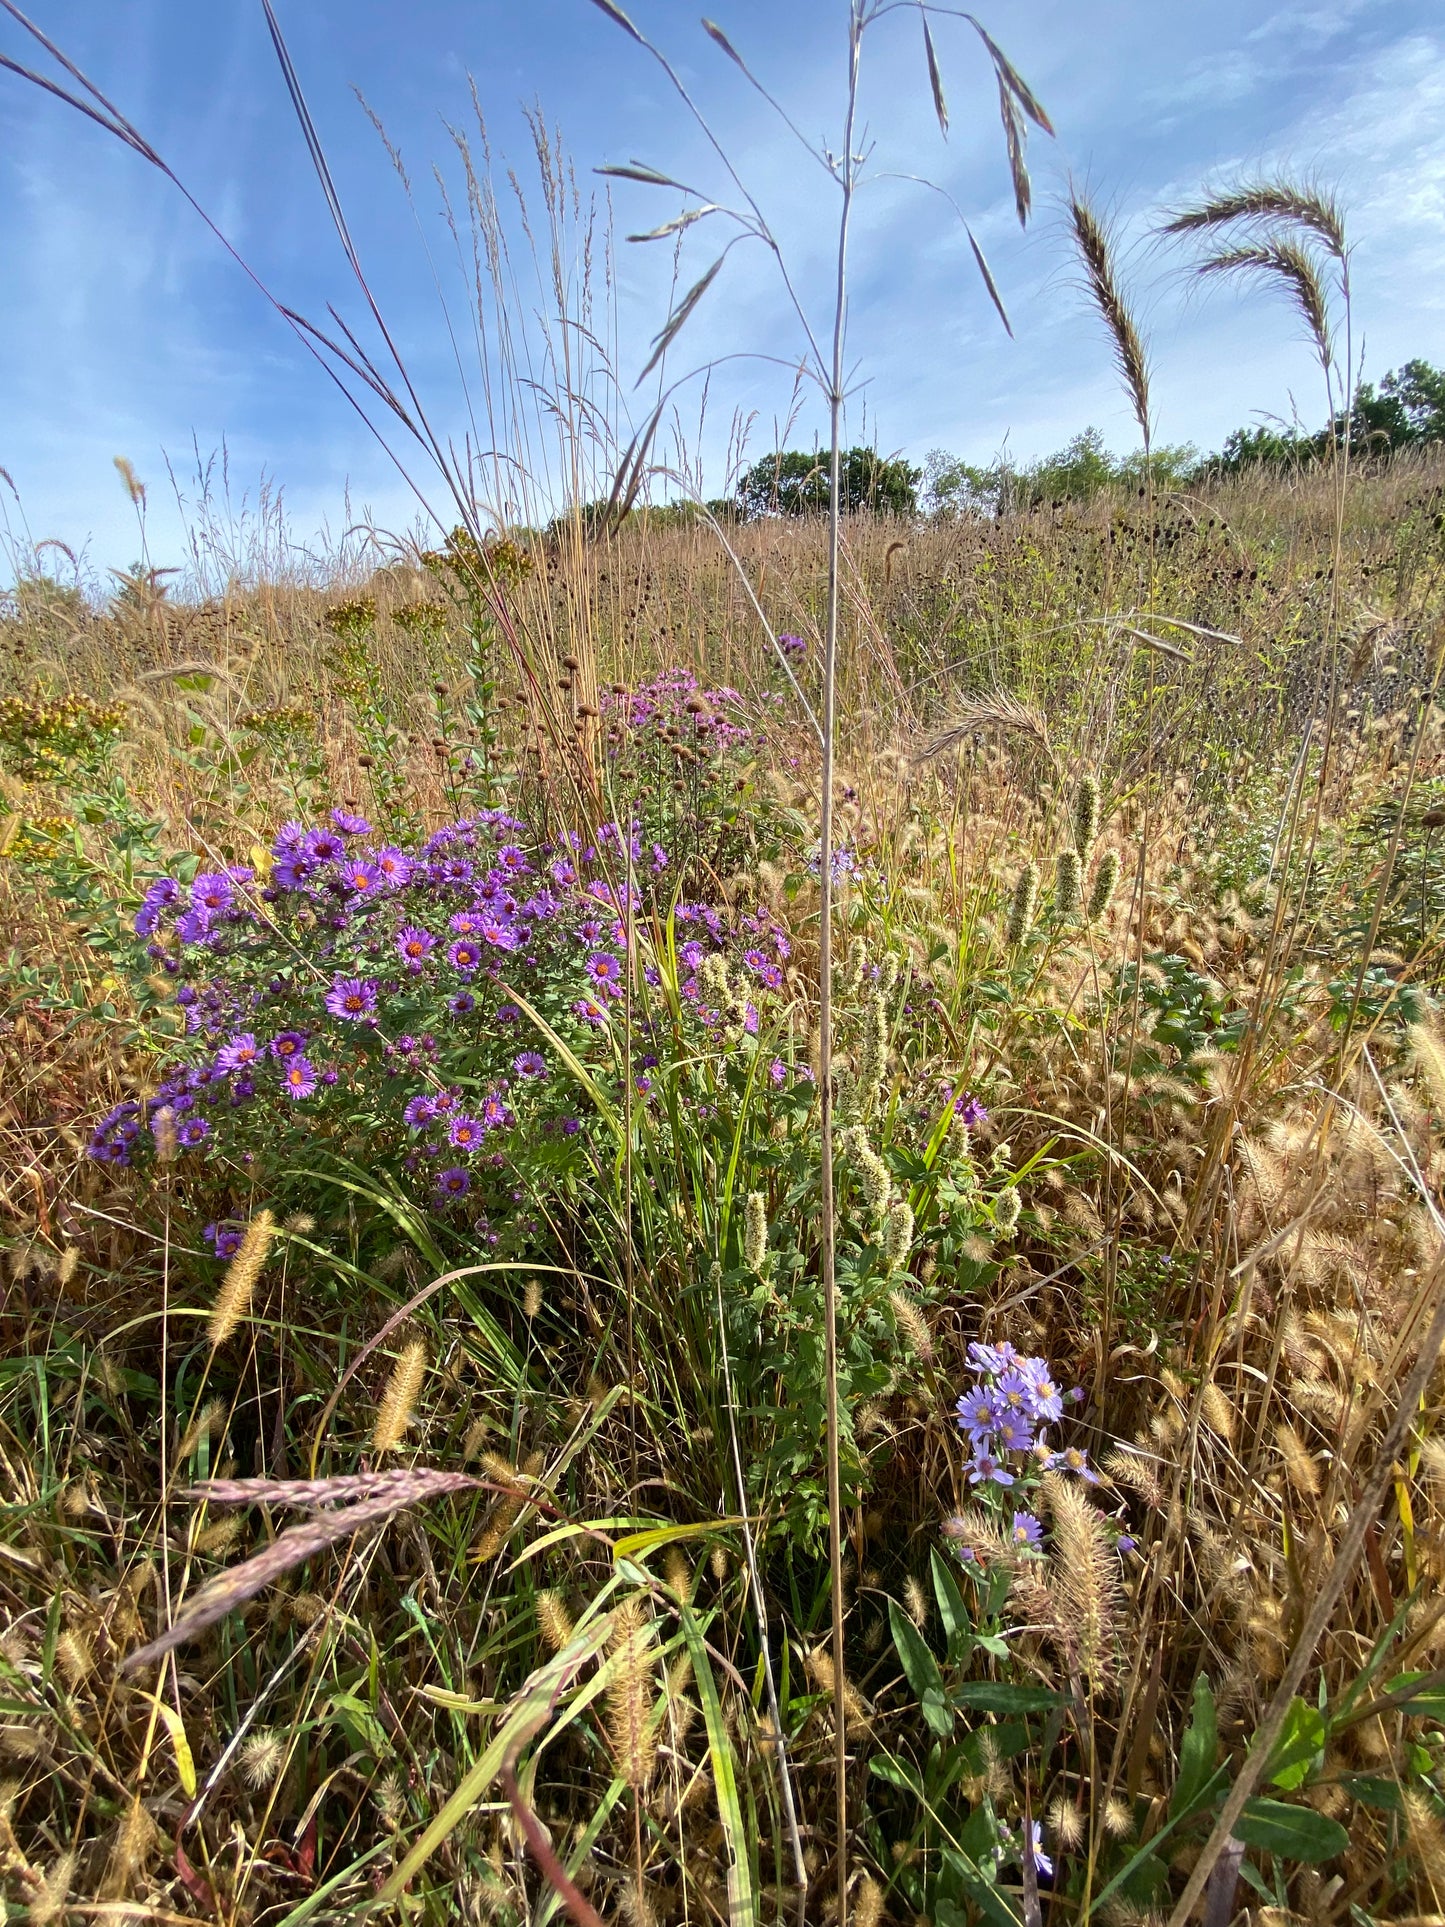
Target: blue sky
[125,330]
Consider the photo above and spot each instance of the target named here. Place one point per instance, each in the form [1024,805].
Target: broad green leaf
[999,1696]
[1197,1752]
[921,1669]
[951,1608]
[897,1773]
[1301,1742]
[1293,1833]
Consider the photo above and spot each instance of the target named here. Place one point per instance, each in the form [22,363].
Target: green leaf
[1197,1752]
[1293,1833]
[999,1696]
[921,1669]
[1301,1743]
[951,1608]
[897,1773]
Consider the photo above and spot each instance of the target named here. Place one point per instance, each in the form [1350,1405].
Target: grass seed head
[233,1300]
[398,1401]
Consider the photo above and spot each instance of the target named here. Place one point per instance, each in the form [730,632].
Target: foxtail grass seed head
[1023,905]
[755,1233]
[49,1904]
[532,1299]
[864,1166]
[1106,877]
[553,1620]
[630,1698]
[398,1401]
[233,1300]
[163,1126]
[65,1268]
[1006,1209]
[898,1234]
[868,1906]
[1429,1055]
[1068,883]
[1086,817]
[262,1758]
[912,1326]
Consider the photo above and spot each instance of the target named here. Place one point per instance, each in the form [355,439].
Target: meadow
[717,1217]
[409,1142]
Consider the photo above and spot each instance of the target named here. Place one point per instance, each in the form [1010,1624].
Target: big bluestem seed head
[1105,878]
[898,1234]
[1025,902]
[1006,1208]
[1068,883]
[1086,817]
[755,1232]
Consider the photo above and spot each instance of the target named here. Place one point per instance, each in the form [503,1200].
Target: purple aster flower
[194,926]
[241,1051]
[1013,1433]
[298,1078]
[465,1133]
[1126,1542]
[984,1468]
[350,825]
[969,1111]
[361,876]
[777,1071]
[212,894]
[464,955]
[604,969]
[563,872]
[147,920]
[413,945]
[352,998]
[692,953]
[420,1111]
[992,1358]
[495,1114]
[192,1130]
[507,1013]
[394,865]
[291,873]
[1048,1401]
[512,860]
[978,1414]
[530,1063]
[454,1182]
[793,647]
[465,923]
[1026,1530]
[460,1002]
[323,846]
[1075,1461]
[288,839]
[589,1010]
[501,936]
[224,1238]
[290,1043]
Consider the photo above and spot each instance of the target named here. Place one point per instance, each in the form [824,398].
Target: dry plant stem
[827,1236]
[1326,1599]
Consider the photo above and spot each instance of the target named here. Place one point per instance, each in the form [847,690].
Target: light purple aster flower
[350,824]
[1013,1433]
[589,1010]
[530,1063]
[361,876]
[323,846]
[191,1131]
[290,1043]
[604,970]
[420,1111]
[1026,1530]
[984,1468]
[464,955]
[978,1414]
[1071,1459]
[212,893]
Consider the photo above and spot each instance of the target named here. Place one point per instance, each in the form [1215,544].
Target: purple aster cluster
[406,979]
[1003,1415]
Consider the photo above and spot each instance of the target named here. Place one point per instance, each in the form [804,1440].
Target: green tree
[795,482]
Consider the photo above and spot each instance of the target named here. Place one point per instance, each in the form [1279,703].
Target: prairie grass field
[408,1140]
